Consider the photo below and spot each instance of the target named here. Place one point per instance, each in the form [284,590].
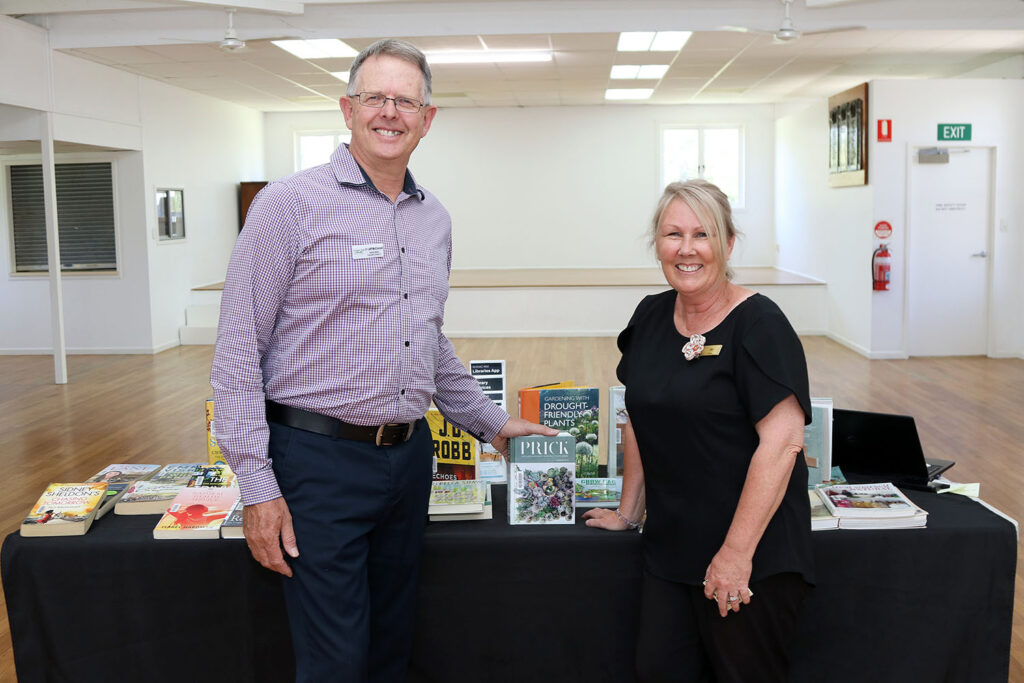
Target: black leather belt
[383,435]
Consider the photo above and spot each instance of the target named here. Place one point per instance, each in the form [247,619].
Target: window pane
[315,150]
[722,161]
[679,155]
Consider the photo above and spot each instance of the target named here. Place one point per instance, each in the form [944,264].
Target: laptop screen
[878,446]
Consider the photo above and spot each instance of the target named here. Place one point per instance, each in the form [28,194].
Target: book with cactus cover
[541,479]
[64,510]
[455,451]
[574,410]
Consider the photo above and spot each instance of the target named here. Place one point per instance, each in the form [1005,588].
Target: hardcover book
[541,479]
[232,525]
[617,417]
[592,492]
[866,501]
[214,456]
[112,474]
[455,451]
[820,516]
[197,512]
[574,410]
[64,510]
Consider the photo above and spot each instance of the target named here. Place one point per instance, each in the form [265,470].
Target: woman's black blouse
[694,424]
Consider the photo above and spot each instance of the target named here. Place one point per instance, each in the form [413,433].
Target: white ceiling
[175,41]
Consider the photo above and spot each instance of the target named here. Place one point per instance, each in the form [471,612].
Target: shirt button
[403,250]
[403,392]
[406,343]
[405,296]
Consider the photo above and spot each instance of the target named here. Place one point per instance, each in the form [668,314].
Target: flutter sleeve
[625,337]
[771,366]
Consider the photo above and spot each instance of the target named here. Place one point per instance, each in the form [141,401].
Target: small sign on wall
[954,131]
[885,130]
[883,230]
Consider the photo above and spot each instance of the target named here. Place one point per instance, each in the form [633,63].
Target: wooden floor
[149,409]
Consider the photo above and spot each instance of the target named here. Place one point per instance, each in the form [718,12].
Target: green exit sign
[954,131]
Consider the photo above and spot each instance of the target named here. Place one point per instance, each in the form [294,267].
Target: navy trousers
[359,512]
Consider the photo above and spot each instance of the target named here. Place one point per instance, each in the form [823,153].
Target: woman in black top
[717,395]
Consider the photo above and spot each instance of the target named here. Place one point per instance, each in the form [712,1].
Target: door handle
[980,254]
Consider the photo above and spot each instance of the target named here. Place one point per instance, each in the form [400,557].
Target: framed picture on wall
[170,214]
[847,137]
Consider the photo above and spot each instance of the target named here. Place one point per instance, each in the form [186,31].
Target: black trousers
[683,638]
[359,512]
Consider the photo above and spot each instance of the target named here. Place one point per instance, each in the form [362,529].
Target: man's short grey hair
[392,48]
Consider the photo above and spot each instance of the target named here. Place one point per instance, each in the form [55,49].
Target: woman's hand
[602,518]
[726,580]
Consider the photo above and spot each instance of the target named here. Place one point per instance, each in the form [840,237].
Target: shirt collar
[348,172]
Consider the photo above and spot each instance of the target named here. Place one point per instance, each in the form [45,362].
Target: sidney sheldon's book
[112,474]
[455,451]
[574,410]
[232,525]
[64,510]
[541,479]
[197,512]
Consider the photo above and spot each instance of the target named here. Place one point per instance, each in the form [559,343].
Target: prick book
[541,479]
[64,510]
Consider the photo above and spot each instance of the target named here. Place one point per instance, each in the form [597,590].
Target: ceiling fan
[231,40]
[787,33]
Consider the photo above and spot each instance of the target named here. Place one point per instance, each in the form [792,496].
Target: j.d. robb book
[455,451]
[541,479]
[574,410]
[64,510]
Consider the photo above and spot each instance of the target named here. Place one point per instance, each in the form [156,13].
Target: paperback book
[818,442]
[64,510]
[541,479]
[574,410]
[197,512]
[592,492]
[214,455]
[114,493]
[457,497]
[455,451]
[617,418]
[217,475]
[232,525]
[821,518]
[486,513]
[871,506]
[112,474]
[154,495]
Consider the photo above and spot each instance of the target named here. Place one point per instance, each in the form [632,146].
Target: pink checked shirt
[333,302]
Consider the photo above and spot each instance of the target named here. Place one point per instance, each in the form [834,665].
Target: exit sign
[954,131]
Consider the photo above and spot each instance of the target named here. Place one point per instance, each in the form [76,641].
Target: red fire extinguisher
[881,266]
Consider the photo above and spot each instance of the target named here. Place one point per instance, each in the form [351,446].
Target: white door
[947,254]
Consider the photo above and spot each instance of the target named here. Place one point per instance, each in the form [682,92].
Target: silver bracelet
[625,520]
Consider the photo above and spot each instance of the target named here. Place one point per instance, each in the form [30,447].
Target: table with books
[504,603]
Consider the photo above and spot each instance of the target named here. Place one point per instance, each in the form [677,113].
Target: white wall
[24,66]
[823,232]
[560,186]
[206,147]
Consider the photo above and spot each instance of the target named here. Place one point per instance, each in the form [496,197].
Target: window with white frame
[714,153]
[85,217]
[313,148]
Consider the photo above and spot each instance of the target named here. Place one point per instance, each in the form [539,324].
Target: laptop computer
[876,447]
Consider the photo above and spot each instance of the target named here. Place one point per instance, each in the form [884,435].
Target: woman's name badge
[711,350]
[367,251]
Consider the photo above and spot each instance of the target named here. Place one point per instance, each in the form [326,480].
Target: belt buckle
[380,433]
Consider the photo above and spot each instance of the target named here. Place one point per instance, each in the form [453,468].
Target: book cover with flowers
[541,479]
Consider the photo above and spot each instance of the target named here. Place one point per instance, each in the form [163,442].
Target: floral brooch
[694,347]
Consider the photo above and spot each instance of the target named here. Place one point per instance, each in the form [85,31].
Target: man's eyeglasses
[377,100]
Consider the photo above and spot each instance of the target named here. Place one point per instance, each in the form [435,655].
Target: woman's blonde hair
[712,208]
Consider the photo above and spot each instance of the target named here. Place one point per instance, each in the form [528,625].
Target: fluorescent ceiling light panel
[341,75]
[628,93]
[670,41]
[320,48]
[654,71]
[625,71]
[635,41]
[488,56]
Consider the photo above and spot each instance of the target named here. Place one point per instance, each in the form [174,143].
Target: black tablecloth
[501,603]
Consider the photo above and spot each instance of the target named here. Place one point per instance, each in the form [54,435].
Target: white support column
[60,359]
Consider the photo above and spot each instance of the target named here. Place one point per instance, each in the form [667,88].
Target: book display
[196,512]
[64,510]
[455,451]
[818,442]
[572,409]
[871,506]
[490,374]
[541,479]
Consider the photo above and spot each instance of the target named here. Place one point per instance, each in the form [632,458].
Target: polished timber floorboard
[149,409]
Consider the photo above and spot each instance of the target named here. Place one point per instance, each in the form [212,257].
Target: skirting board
[99,351]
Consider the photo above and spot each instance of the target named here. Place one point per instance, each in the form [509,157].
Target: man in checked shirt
[329,351]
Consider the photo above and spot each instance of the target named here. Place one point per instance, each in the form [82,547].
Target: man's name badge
[367,251]
[712,350]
